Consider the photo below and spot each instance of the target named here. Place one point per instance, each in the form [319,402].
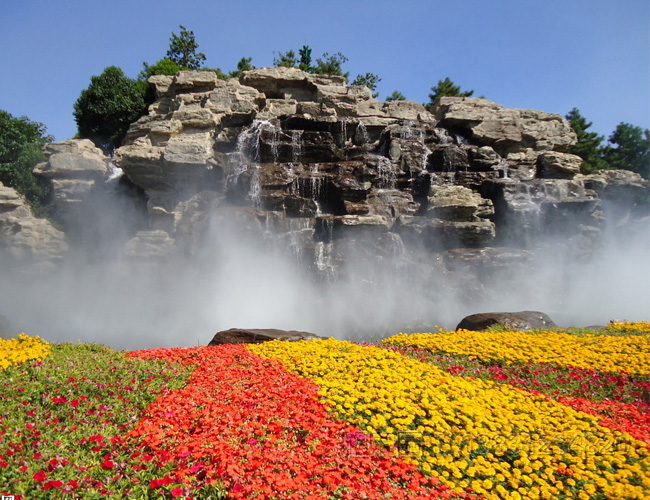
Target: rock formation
[25,239]
[325,166]
[305,163]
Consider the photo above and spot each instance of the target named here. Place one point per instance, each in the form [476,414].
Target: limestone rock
[554,165]
[257,336]
[24,238]
[77,169]
[506,130]
[524,320]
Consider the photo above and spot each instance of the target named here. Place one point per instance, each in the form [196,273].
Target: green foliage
[105,109]
[305,58]
[326,65]
[286,59]
[331,65]
[369,80]
[445,88]
[182,50]
[289,59]
[21,141]
[632,151]
[244,64]
[163,67]
[396,96]
[588,146]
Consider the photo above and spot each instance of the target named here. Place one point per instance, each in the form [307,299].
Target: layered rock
[25,239]
[306,162]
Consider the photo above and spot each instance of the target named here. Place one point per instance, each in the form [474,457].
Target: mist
[235,280]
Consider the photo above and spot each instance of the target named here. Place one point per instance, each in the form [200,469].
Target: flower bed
[497,440]
[621,354]
[261,432]
[62,419]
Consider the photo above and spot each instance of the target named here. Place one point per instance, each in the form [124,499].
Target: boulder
[554,165]
[524,320]
[257,336]
[26,239]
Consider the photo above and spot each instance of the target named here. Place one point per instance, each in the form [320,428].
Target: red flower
[40,476]
[107,464]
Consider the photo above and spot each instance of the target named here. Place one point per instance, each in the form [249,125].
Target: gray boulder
[524,320]
[257,336]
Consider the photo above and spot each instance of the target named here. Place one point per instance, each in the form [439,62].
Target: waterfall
[386,172]
[296,145]
[361,135]
[255,188]
[114,173]
[249,140]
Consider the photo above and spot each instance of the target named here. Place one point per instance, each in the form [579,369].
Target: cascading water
[296,145]
[361,136]
[386,173]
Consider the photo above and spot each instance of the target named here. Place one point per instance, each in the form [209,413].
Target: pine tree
[588,147]
[182,50]
[445,88]
[632,151]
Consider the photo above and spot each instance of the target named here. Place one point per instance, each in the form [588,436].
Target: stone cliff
[305,163]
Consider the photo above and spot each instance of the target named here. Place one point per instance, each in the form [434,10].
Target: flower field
[465,415]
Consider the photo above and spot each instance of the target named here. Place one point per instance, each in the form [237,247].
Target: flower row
[246,423]
[630,326]
[623,402]
[606,353]
[475,435]
[21,349]
[62,419]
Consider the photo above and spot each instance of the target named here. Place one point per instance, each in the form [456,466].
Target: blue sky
[542,54]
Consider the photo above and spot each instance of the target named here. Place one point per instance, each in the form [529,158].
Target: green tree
[445,88]
[632,151]
[396,96]
[305,58]
[369,80]
[244,64]
[105,109]
[589,144]
[21,141]
[163,67]
[331,65]
[182,50]
[286,59]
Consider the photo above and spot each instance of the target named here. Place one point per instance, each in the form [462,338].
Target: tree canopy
[21,141]
[105,109]
[182,50]
[369,80]
[445,88]
[396,96]
[588,146]
[631,151]
[325,65]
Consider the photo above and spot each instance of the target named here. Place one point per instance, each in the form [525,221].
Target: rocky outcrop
[307,163]
[506,130]
[257,336]
[524,320]
[25,239]
[74,167]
